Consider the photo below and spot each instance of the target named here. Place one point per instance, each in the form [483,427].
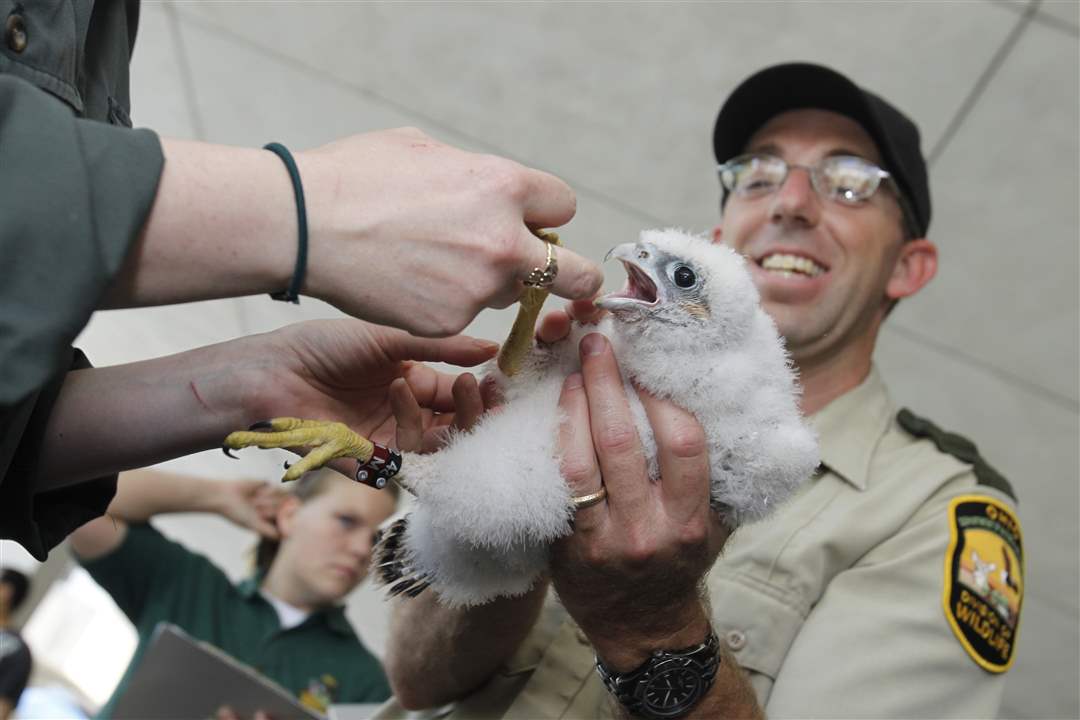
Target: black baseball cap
[792,86]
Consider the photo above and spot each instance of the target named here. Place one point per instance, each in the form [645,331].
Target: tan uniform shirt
[838,605]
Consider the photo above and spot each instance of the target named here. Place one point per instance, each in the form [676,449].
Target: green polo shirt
[153,579]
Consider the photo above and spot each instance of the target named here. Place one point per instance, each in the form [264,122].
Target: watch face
[675,686]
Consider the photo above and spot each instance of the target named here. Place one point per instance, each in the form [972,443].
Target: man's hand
[630,572]
[412,233]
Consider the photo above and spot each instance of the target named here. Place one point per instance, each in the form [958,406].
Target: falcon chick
[687,326]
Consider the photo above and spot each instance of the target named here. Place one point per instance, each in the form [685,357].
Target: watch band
[669,683]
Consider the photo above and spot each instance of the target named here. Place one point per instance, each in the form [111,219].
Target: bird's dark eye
[684,277]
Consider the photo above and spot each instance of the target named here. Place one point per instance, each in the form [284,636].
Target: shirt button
[15,33]
[735,639]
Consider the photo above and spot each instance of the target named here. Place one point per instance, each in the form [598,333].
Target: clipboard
[181,678]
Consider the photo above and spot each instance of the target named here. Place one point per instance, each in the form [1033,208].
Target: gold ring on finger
[583,501]
[544,277]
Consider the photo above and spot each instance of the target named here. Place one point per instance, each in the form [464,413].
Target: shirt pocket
[757,623]
[48,54]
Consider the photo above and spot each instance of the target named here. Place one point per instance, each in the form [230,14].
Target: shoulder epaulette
[959,447]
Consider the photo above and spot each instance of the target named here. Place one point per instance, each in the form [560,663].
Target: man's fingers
[553,327]
[549,202]
[683,455]
[614,435]
[578,460]
[468,405]
[407,415]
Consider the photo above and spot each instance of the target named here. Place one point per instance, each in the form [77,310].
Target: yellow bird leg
[519,342]
[328,440]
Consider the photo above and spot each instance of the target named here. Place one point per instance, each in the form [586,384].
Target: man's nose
[796,203]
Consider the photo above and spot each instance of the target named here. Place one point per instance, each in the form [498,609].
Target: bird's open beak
[641,286]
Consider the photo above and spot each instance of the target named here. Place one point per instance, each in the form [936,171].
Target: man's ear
[716,232]
[915,266]
[286,513]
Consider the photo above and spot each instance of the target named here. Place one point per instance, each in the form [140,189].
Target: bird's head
[680,282]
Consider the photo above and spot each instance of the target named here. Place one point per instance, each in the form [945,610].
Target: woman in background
[286,620]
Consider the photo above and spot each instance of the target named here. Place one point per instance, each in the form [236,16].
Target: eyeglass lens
[845,178]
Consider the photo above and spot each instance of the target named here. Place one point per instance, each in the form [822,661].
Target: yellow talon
[328,440]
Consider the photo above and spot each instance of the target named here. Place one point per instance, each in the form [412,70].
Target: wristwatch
[669,683]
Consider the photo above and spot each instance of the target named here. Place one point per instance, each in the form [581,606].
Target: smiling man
[860,597]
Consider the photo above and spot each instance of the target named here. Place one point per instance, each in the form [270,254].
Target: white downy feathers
[688,326]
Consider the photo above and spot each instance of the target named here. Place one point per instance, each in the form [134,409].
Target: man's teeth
[792,263]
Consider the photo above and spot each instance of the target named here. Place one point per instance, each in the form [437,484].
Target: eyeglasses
[845,178]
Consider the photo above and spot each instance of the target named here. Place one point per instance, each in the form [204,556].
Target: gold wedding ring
[543,277]
[583,501]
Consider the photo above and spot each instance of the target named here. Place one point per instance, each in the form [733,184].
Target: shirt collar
[334,616]
[851,426]
[249,588]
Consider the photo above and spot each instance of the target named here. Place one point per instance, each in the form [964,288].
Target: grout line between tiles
[584,190]
[980,84]
[1054,398]
[1043,18]
[186,77]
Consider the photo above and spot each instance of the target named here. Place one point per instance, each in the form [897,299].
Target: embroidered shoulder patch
[984,579]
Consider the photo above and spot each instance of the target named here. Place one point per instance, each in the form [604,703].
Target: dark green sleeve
[41,520]
[74,195]
[152,578]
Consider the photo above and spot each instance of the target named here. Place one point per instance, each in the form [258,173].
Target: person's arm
[142,494]
[73,195]
[631,573]
[438,655]
[403,230]
[168,407]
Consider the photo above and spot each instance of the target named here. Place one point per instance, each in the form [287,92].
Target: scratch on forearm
[195,392]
